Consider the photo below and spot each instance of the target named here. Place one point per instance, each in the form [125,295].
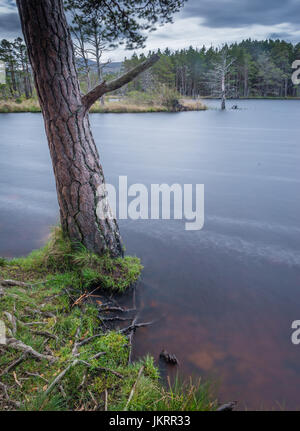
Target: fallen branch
[13,283]
[106,400]
[134,388]
[116,309]
[40,313]
[94,400]
[34,323]
[108,370]
[97,355]
[87,340]
[114,318]
[136,325]
[36,375]
[75,362]
[19,345]
[13,365]
[45,334]
[60,376]
[130,337]
[84,296]
[16,379]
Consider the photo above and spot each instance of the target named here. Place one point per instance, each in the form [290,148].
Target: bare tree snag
[75,159]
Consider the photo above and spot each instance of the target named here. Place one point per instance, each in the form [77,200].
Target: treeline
[19,81]
[250,68]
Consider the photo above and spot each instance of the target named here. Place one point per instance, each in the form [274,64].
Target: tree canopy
[124,21]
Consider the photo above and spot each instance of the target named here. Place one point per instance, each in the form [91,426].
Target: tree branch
[105,87]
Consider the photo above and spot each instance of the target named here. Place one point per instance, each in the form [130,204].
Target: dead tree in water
[218,75]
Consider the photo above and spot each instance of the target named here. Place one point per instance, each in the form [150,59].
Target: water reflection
[227,294]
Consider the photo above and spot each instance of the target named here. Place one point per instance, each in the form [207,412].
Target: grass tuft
[44,317]
[60,256]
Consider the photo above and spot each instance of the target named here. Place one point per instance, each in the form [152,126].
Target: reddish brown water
[227,295]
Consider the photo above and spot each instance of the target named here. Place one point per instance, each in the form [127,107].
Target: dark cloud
[215,13]
[240,13]
[9,25]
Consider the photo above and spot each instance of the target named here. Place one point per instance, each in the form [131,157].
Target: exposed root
[45,334]
[13,283]
[134,326]
[87,340]
[97,355]
[13,365]
[60,376]
[19,345]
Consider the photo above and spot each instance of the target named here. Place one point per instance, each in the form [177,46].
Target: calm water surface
[229,292]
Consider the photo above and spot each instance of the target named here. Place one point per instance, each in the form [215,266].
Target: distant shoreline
[111,107]
[123,107]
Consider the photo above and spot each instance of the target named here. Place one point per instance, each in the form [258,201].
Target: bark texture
[106,87]
[75,158]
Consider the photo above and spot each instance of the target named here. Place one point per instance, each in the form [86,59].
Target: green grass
[82,267]
[16,106]
[48,321]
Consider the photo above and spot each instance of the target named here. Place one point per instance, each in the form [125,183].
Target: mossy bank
[57,355]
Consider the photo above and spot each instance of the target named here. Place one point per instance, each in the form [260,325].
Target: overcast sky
[203,22]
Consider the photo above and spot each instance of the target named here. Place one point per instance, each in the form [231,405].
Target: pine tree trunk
[75,158]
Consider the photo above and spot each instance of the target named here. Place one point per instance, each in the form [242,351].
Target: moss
[78,267]
[48,321]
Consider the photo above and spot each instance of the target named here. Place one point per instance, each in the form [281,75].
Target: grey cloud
[10,25]
[241,13]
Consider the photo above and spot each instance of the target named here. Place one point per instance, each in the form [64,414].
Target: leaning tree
[77,169]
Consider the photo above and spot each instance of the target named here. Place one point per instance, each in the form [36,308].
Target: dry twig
[134,387]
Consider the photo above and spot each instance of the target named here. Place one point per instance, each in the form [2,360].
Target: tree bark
[106,87]
[75,159]
[77,169]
